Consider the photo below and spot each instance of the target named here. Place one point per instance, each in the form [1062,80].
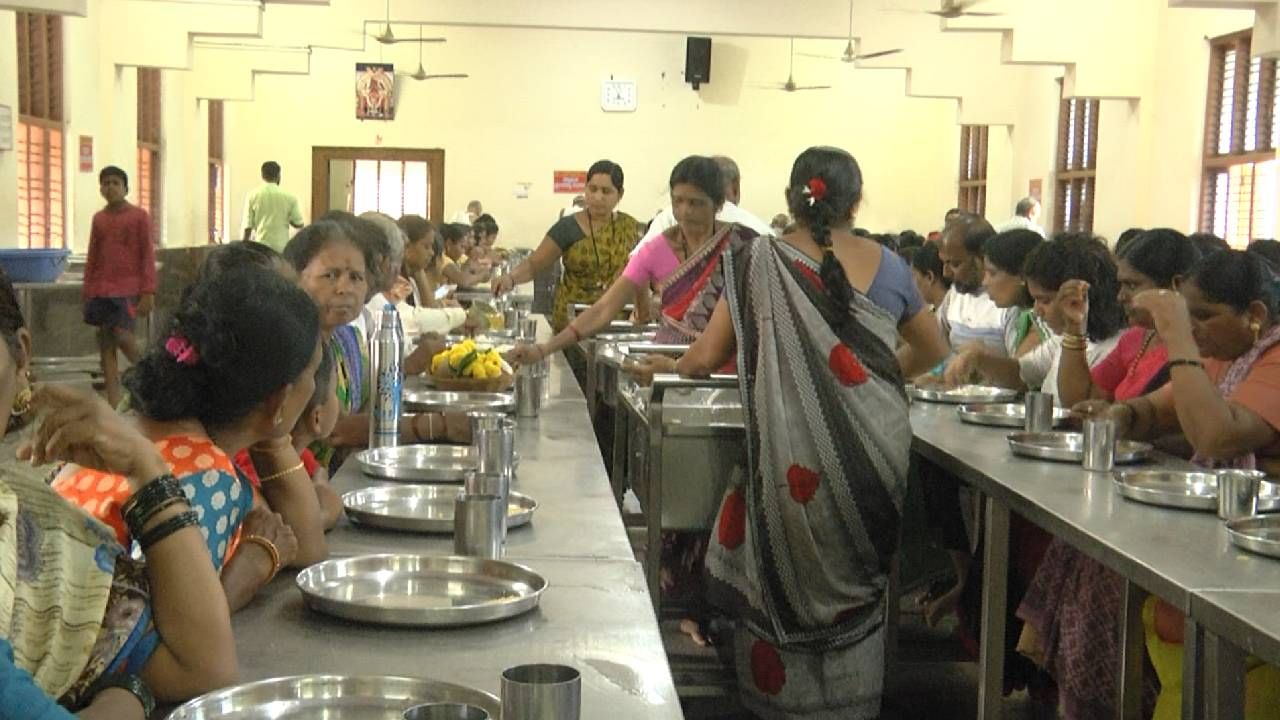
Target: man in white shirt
[269,212]
[468,216]
[967,314]
[1026,216]
[666,219]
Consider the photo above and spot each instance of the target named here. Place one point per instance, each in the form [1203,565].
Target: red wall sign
[570,181]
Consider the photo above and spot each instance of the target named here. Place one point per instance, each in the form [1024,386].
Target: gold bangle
[271,549]
[282,473]
[1075,342]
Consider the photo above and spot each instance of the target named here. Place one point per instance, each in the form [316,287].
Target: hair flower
[815,190]
[182,350]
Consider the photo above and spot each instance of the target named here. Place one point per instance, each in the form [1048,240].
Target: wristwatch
[134,686]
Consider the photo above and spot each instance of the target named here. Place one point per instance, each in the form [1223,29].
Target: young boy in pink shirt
[119,275]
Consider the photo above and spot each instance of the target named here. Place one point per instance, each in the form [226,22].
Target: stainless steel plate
[1257,534]
[1012,415]
[329,697]
[441,401]
[420,590]
[422,508]
[964,394]
[418,463]
[1185,489]
[1069,447]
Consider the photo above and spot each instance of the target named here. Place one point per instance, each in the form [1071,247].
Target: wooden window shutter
[40,66]
[215,130]
[39,132]
[972,173]
[149,105]
[1238,184]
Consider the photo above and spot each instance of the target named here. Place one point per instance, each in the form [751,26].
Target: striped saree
[802,543]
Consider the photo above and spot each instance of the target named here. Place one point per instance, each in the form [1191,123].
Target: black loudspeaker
[697,61]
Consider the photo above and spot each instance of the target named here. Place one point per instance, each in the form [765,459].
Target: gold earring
[1256,327]
[279,419]
[22,401]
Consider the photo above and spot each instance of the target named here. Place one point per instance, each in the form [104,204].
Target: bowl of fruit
[470,367]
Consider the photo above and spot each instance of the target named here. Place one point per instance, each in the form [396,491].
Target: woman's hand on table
[928,380]
[434,341]
[1073,298]
[270,526]
[646,366]
[964,366]
[78,426]
[457,428]
[525,354]
[1119,413]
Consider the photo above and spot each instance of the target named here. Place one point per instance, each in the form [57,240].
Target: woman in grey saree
[800,551]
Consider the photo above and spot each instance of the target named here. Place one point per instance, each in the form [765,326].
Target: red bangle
[577,336]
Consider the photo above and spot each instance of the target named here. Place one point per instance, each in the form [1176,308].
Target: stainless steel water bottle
[386,350]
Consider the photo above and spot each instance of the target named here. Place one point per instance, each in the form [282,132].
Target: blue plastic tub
[33,265]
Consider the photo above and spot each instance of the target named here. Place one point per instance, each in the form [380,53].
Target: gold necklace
[1146,343]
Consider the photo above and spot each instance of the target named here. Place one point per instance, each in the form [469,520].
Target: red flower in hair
[815,190]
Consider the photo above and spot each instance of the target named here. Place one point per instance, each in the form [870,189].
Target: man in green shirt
[269,211]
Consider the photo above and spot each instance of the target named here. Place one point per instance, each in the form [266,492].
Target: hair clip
[815,190]
[182,350]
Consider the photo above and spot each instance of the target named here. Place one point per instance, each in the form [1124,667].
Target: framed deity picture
[375,91]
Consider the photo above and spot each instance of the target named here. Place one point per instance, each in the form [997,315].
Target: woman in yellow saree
[594,244]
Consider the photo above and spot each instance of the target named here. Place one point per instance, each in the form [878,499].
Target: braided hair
[825,189]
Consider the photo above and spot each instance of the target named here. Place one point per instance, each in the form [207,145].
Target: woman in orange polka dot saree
[220,497]
[205,393]
[799,556]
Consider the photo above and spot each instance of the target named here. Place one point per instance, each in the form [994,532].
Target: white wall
[532,107]
[9,158]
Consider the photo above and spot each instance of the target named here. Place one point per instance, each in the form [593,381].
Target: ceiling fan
[386,37]
[421,72]
[790,85]
[850,55]
[952,9]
